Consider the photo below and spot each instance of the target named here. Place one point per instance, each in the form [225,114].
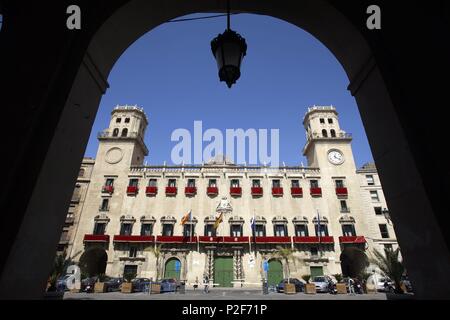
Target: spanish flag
[187,217]
[219,219]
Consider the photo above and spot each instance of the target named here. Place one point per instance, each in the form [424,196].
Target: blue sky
[172,74]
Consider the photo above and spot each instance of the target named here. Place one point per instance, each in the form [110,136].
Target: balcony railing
[176,239]
[257,191]
[190,191]
[132,190]
[316,192]
[352,239]
[277,192]
[341,192]
[171,191]
[134,239]
[212,191]
[235,191]
[96,238]
[313,240]
[108,189]
[151,191]
[208,239]
[296,192]
[271,239]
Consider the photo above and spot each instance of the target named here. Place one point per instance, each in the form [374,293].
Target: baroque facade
[329,213]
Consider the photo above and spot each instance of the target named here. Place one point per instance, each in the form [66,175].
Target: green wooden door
[172,270]
[316,272]
[223,271]
[275,272]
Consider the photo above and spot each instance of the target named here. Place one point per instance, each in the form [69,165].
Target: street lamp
[387,215]
[229,48]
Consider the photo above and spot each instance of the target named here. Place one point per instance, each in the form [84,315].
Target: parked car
[87,284]
[322,283]
[382,280]
[113,284]
[140,284]
[407,283]
[299,285]
[169,285]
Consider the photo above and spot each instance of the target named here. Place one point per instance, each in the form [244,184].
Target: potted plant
[100,285]
[127,286]
[310,288]
[341,287]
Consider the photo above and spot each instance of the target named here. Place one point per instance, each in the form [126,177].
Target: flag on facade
[219,219]
[253,225]
[187,217]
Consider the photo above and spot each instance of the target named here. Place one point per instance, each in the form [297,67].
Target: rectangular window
[133,252]
[146,229]
[374,196]
[152,183]
[191,183]
[314,252]
[322,231]
[99,228]
[167,230]
[339,183]
[256,183]
[280,230]
[301,230]
[344,207]
[370,180]
[314,183]
[330,121]
[188,230]
[260,230]
[212,183]
[64,236]
[378,211]
[105,205]
[235,183]
[295,184]
[172,183]
[133,182]
[125,229]
[210,231]
[322,121]
[127,120]
[384,231]
[348,230]
[236,230]
[118,120]
[388,247]
[276,183]
[109,182]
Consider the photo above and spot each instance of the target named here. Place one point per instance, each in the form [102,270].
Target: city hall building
[126,217]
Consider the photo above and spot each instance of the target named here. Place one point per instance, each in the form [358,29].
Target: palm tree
[60,265]
[391,265]
[285,254]
[156,250]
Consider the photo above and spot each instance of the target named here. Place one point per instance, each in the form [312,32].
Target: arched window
[124,132]
[324,133]
[333,133]
[115,132]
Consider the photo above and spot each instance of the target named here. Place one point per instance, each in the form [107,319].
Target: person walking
[351,287]
[206,283]
[196,283]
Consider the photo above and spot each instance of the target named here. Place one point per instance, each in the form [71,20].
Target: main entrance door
[172,270]
[223,271]
[275,272]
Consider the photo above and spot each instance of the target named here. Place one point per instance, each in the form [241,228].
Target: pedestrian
[206,283]
[351,288]
[196,283]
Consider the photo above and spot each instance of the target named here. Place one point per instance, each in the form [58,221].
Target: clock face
[335,157]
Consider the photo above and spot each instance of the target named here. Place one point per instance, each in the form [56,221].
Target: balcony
[176,239]
[341,192]
[212,191]
[257,191]
[235,191]
[352,240]
[108,189]
[208,239]
[190,191]
[171,191]
[316,192]
[313,240]
[271,239]
[102,238]
[151,191]
[132,190]
[297,192]
[134,239]
[277,192]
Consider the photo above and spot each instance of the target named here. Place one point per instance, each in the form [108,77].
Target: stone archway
[93,261]
[75,69]
[353,262]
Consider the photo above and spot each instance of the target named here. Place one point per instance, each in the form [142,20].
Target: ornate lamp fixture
[229,48]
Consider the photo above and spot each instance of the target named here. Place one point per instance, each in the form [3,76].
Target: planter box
[74,290]
[156,288]
[127,287]
[341,288]
[100,287]
[289,288]
[310,288]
